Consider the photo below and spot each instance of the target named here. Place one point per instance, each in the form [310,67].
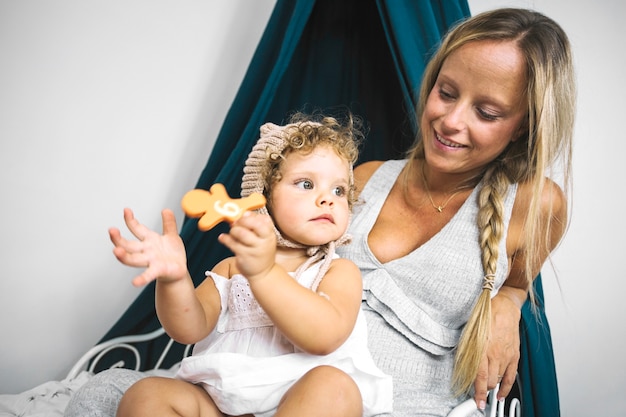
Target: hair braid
[475,336]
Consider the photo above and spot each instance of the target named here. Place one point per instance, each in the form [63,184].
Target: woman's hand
[163,255]
[499,364]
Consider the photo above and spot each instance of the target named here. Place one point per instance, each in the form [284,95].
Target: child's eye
[339,191]
[305,184]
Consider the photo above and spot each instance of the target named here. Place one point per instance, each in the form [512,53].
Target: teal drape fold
[537,369]
[413,29]
[363,55]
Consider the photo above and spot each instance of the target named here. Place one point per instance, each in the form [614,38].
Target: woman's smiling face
[476,108]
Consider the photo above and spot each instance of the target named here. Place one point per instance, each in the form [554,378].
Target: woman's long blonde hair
[551,95]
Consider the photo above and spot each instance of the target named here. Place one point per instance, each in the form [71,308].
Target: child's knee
[142,395]
[338,385]
[166,396]
[324,390]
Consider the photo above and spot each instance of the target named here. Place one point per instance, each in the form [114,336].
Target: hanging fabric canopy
[365,56]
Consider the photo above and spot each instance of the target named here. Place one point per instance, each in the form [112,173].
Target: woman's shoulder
[551,211]
[553,199]
[364,172]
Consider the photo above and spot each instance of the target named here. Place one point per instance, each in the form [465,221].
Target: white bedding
[51,398]
[47,399]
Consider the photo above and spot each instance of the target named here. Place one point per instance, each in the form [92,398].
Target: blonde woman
[450,239]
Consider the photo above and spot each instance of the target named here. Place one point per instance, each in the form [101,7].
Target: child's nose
[325,198]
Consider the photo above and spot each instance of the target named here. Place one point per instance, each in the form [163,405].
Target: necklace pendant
[439,209]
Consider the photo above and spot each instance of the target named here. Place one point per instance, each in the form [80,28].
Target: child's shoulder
[344,266]
[226,267]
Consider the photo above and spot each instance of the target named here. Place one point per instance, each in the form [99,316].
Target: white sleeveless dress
[246,365]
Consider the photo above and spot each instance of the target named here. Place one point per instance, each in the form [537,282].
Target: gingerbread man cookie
[215,206]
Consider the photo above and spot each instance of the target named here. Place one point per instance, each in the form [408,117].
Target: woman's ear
[521,131]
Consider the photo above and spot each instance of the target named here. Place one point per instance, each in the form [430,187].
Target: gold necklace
[439,208]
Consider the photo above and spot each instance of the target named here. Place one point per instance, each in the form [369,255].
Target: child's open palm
[163,255]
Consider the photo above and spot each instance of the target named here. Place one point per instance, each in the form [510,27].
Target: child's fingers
[137,229]
[238,241]
[258,224]
[142,279]
[169,222]
[127,245]
[115,236]
[130,258]
[244,235]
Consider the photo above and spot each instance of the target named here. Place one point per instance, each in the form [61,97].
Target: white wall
[111,104]
[103,105]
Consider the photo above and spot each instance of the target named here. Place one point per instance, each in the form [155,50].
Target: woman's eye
[305,184]
[445,94]
[339,191]
[486,115]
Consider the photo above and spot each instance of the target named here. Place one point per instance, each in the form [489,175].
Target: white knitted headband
[270,145]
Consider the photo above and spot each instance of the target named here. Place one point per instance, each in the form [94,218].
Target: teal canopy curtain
[537,370]
[363,55]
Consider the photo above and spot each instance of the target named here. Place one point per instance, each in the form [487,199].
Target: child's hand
[163,256]
[253,241]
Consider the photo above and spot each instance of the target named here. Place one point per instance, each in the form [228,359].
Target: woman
[468,214]
[468,211]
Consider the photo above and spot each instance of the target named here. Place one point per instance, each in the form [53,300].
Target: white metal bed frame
[96,353]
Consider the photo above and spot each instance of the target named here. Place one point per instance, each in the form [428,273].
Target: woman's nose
[455,117]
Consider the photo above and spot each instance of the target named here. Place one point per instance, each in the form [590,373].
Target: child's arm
[185,317]
[314,323]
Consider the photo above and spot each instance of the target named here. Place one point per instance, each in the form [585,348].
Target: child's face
[310,202]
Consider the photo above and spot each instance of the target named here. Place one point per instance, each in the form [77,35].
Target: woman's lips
[447,142]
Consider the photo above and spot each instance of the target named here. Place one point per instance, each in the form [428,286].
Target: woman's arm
[501,360]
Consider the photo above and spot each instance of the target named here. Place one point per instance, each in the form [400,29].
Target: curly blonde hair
[303,134]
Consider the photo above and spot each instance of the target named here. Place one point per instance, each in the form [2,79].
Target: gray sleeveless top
[416,306]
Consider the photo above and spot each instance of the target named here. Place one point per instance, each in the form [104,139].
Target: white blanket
[48,399]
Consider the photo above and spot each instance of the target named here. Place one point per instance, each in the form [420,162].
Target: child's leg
[324,391]
[157,396]
[101,394]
